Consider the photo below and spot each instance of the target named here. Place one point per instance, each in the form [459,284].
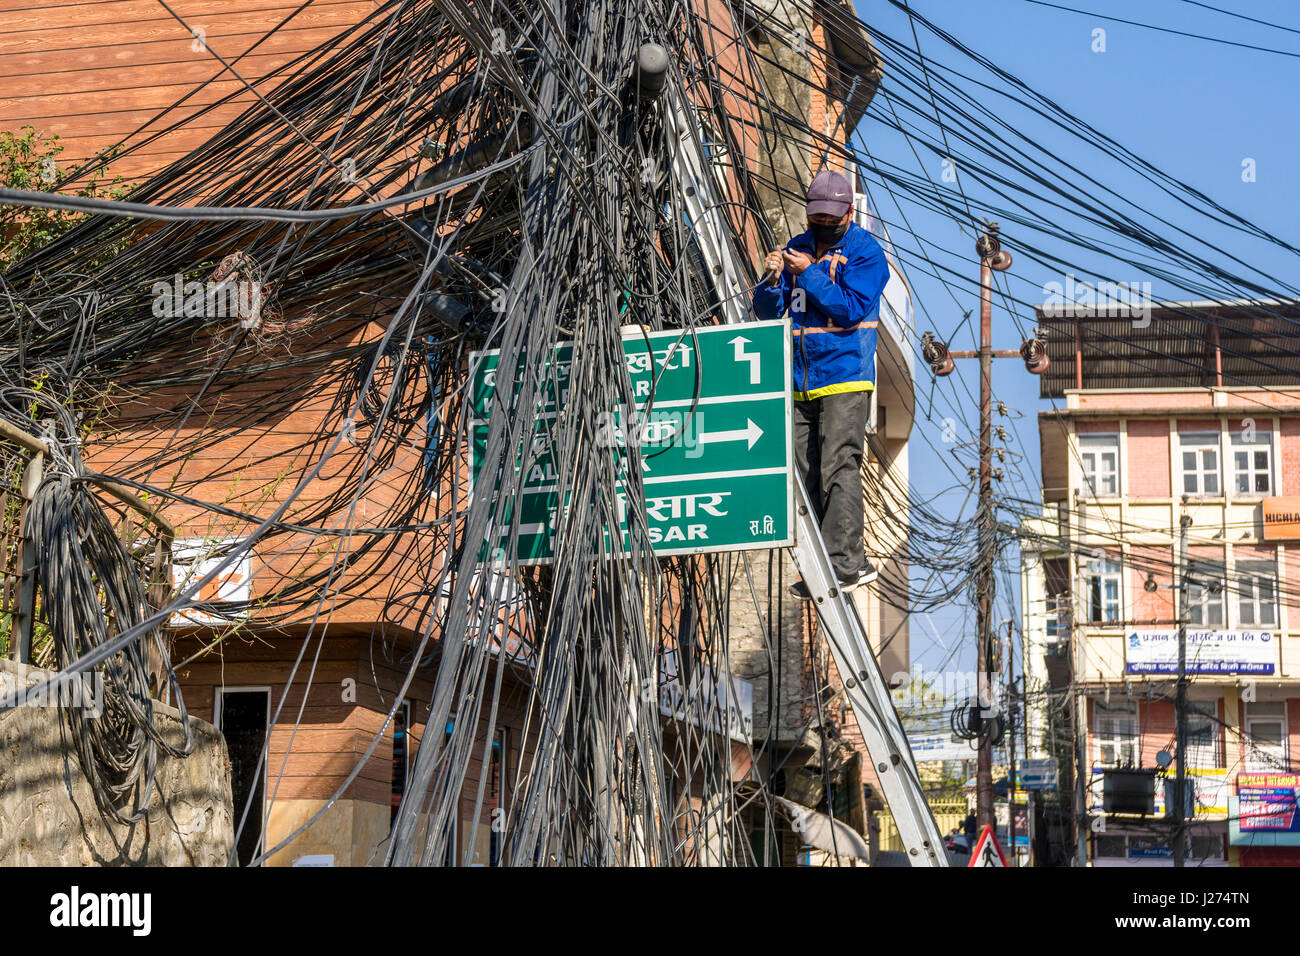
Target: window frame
[1205,712]
[1248,592]
[1236,446]
[1093,445]
[1199,598]
[1198,443]
[1282,754]
[1110,570]
[1055,620]
[1116,726]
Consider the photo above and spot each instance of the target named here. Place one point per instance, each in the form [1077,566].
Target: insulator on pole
[1034,352]
[936,354]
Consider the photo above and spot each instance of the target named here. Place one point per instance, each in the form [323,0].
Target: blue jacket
[834,313]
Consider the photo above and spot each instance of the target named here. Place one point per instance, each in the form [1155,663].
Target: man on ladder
[831,278]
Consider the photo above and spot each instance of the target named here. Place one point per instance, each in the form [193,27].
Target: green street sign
[712,422]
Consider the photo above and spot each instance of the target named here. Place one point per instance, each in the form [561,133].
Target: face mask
[828,235]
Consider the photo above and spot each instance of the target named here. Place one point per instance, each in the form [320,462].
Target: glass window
[1100,457]
[1200,462]
[1117,735]
[1204,735]
[1266,733]
[1057,620]
[1252,463]
[1208,847]
[1205,594]
[1256,594]
[1109,846]
[401,757]
[1104,595]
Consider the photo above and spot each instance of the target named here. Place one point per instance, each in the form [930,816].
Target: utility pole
[986,247]
[1011,749]
[1011,776]
[1031,804]
[1078,699]
[1024,734]
[1034,353]
[1180,697]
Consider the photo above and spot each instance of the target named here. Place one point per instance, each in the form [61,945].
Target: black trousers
[829,434]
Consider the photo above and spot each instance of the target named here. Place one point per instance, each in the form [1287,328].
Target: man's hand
[774,263]
[796,262]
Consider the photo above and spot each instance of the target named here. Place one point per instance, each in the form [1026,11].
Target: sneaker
[865,577]
[868,574]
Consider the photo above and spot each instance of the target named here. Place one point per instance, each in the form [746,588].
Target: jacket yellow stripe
[839,389]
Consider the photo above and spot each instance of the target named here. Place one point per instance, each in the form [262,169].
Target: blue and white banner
[1208,652]
[942,746]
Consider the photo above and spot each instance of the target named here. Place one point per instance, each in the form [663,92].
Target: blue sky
[1192,108]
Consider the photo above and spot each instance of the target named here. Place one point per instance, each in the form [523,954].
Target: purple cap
[829,195]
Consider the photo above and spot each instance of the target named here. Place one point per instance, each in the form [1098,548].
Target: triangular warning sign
[987,852]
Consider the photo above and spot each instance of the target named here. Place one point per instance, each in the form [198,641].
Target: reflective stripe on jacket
[834,312]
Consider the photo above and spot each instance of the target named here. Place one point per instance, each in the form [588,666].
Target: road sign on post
[712,422]
[987,852]
[1039,774]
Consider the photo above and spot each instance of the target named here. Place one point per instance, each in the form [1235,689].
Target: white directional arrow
[753,358]
[750,433]
[525,529]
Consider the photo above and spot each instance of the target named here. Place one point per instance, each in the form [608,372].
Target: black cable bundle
[549,217]
[90,591]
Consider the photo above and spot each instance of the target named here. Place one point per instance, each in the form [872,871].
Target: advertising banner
[1267,802]
[1208,652]
[1263,812]
[939,747]
[1281,519]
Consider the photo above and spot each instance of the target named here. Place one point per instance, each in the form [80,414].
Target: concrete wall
[784,172]
[48,815]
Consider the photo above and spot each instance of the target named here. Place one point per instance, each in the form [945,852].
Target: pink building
[1183,409]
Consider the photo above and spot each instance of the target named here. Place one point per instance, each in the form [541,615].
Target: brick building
[126,69]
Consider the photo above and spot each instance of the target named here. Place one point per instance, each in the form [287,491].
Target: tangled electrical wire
[472,197]
[92,589]
[273,336]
